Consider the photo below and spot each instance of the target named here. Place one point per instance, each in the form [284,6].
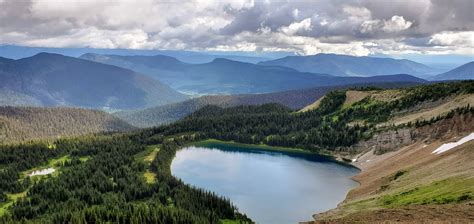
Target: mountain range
[17,52]
[116,82]
[345,65]
[462,72]
[57,80]
[223,76]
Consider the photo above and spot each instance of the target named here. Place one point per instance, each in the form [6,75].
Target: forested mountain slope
[331,126]
[100,179]
[52,79]
[223,76]
[29,123]
[294,99]
[345,65]
[423,111]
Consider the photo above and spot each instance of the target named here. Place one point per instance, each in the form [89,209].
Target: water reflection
[270,187]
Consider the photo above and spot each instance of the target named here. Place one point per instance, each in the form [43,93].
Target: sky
[362,27]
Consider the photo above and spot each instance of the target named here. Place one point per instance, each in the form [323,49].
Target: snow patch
[447,146]
[42,172]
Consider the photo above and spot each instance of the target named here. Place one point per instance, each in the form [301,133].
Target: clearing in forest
[148,156]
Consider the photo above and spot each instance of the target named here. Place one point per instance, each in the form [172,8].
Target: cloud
[304,26]
[357,13]
[96,38]
[465,39]
[396,24]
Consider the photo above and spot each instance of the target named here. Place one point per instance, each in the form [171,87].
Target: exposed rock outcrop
[391,140]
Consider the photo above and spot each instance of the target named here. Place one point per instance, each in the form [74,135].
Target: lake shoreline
[258,150]
[334,157]
[262,147]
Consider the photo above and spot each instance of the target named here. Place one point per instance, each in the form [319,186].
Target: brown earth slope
[410,184]
[430,110]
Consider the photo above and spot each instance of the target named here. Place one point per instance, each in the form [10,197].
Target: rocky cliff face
[388,140]
[392,140]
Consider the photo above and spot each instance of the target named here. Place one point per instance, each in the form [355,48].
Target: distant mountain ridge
[462,72]
[160,67]
[53,79]
[223,76]
[18,52]
[345,65]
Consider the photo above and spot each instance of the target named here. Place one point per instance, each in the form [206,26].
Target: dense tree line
[272,124]
[332,101]
[110,187]
[328,127]
[16,158]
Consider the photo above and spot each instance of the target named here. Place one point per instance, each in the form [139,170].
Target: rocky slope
[413,184]
[402,180]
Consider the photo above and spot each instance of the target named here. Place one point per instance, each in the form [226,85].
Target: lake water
[270,187]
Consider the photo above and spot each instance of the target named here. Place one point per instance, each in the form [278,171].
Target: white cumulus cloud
[465,39]
[304,25]
[396,24]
